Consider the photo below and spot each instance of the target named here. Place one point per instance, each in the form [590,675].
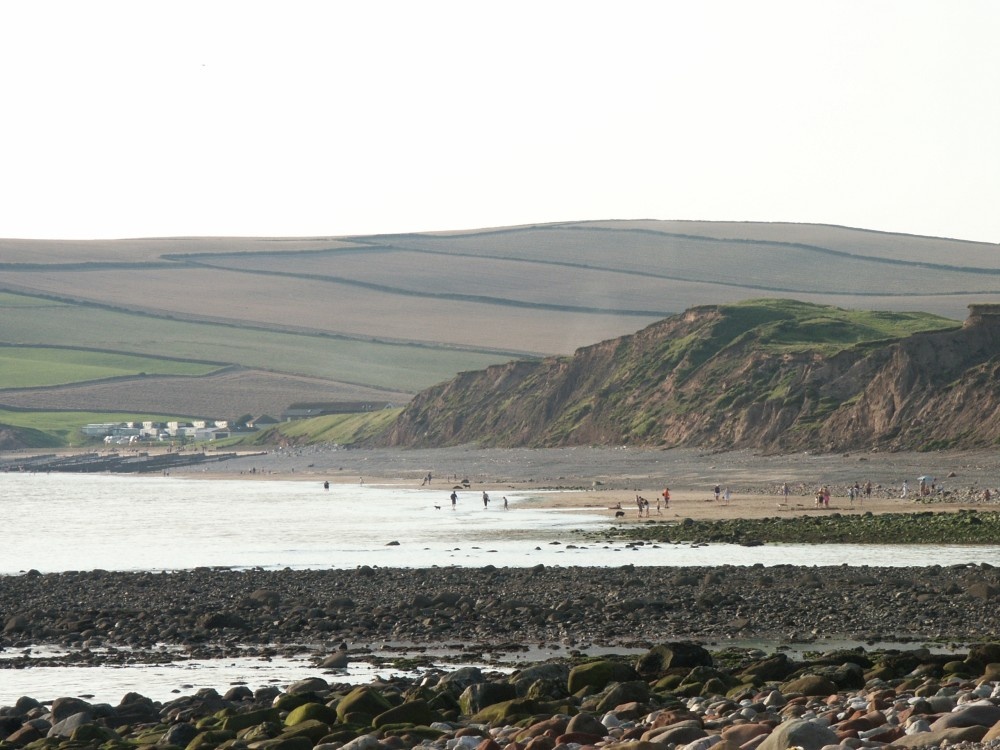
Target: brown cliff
[769,375]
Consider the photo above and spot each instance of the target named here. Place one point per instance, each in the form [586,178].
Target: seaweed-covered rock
[596,675]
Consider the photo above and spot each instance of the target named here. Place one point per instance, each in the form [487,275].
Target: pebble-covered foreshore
[676,695]
[607,606]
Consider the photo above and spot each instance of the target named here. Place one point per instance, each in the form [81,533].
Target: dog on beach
[619,514]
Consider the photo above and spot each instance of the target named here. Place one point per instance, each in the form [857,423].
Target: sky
[248,118]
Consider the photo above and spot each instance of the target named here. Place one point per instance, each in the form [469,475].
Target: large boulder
[309,685]
[813,685]
[982,714]
[634,691]
[506,712]
[771,669]
[311,729]
[415,712]
[807,735]
[655,662]
[586,723]
[477,697]
[459,679]
[363,701]
[70,724]
[63,708]
[307,712]
[984,653]
[596,675]
[238,722]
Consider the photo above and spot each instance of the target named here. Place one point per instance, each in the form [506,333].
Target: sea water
[59,522]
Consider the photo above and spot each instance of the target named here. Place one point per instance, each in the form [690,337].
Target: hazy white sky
[130,118]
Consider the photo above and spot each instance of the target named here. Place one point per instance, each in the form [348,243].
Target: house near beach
[201,429]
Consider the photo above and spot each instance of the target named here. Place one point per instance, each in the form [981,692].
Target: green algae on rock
[961,527]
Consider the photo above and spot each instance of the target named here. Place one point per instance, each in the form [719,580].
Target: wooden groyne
[112,463]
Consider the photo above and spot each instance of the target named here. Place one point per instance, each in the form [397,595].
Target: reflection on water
[164,682]
[58,522]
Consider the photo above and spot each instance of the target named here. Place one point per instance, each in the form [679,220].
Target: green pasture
[64,426]
[789,325]
[31,367]
[405,368]
[342,429]
[18,300]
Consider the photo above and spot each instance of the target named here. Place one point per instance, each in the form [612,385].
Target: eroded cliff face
[693,381]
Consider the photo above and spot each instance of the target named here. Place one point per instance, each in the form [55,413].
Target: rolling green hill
[379,318]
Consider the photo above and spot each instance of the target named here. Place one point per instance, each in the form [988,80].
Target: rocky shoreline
[676,695]
[572,606]
[964,526]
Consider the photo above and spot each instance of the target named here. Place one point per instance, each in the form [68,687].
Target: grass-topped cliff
[766,374]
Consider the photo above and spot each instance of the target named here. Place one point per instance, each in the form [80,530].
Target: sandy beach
[603,479]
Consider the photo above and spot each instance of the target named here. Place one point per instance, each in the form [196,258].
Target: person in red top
[666,497]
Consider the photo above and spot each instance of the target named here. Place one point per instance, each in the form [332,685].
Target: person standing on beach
[505,502]
[666,497]
[454,499]
[486,500]
[726,496]
[906,489]
[717,490]
[784,491]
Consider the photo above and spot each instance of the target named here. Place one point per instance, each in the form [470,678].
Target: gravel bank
[203,608]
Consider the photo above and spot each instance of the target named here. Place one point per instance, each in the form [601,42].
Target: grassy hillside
[353,317]
[342,429]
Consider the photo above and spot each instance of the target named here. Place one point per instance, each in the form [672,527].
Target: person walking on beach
[784,491]
[505,502]
[726,496]
[454,499]
[486,500]
[868,490]
[906,489]
[666,498]
[717,491]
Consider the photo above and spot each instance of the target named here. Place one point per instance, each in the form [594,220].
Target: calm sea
[57,522]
